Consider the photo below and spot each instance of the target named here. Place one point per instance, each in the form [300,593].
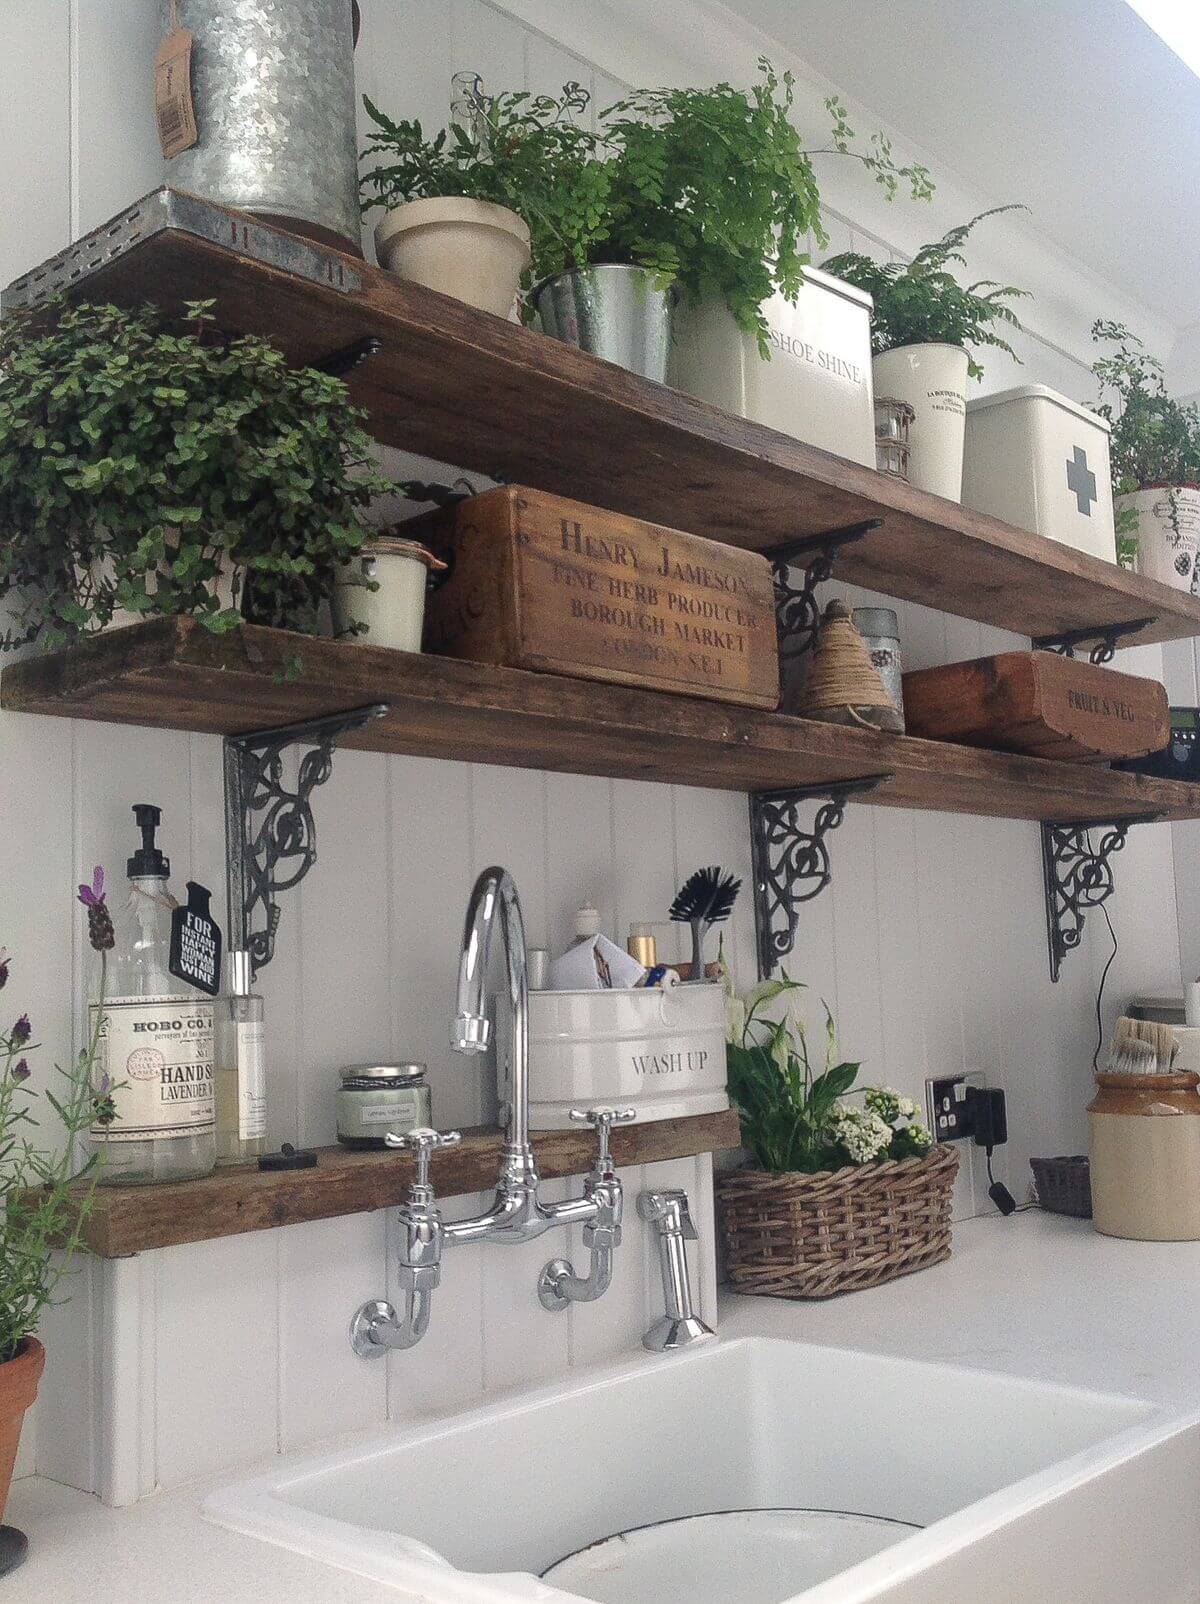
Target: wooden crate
[1041,703]
[541,582]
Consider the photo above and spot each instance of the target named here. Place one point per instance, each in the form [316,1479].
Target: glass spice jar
[374,1099]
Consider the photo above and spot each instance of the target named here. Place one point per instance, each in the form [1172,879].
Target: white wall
[930,946]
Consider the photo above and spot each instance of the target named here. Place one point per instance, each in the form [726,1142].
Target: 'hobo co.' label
[156,1056]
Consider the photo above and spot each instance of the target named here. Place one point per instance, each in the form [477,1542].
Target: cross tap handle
[423,1142]
[602,1121]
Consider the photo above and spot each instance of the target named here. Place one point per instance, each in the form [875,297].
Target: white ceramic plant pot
[227,589]
[394,614]
[933,380]
[1168,533]
[470,249]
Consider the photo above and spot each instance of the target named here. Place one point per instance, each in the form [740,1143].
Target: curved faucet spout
[494,901]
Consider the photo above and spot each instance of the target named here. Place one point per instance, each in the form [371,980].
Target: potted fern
[925,330]
[843,1190]
[45,1200]
[513,175]
[148,468]
[704,201]
[1154,454]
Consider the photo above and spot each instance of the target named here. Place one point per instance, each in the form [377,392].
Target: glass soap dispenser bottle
[241,1068]
[154,1107]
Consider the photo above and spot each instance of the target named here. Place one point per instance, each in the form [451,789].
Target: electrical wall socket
[945,1098]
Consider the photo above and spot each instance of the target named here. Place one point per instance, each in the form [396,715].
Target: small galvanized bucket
[614,311]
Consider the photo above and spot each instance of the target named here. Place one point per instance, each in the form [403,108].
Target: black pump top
[147,860]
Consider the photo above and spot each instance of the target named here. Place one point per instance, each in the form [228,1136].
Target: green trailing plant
[922,303]
[524,151]
[795,1117]
[140,460]
[715,190]
[1155,440]
[46,1197]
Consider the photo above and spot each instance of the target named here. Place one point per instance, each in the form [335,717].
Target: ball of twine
[843,684]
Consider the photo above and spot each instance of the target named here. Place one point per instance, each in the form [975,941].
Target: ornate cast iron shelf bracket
[1078,877]
[270,834]
[791,864]
[796,612]
[341,364]
[1105,638]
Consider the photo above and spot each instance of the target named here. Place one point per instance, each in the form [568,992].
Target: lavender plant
[795,1119]
[46,1198]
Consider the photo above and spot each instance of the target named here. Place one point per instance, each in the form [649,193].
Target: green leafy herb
[922,303]
[140,461]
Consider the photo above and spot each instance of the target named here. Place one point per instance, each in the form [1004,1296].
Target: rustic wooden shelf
[174,674]
[476,391]
[133,1219]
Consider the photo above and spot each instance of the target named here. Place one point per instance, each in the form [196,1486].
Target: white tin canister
[1039,460]
[1168,534]
[933,380]
[394,613]
[659,1052]
[816,384]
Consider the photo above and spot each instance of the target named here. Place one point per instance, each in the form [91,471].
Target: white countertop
[1035,1295]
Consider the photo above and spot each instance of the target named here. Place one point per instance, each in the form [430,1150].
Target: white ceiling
[1075,107]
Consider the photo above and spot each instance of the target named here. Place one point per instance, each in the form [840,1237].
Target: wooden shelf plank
[174,674]
[134,1219]
[479,392]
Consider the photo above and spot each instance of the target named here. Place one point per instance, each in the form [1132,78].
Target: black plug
[987,1118]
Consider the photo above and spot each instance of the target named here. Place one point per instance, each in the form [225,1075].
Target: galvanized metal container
[614,311]
[880,630]
[273,86]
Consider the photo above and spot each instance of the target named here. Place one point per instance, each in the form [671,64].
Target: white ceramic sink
[977,1487]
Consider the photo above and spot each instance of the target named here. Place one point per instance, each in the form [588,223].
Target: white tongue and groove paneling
[930,945]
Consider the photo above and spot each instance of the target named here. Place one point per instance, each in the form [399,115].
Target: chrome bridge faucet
[517,1214]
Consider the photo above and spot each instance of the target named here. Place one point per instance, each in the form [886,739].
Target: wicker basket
[811,1236]
[1064,1185]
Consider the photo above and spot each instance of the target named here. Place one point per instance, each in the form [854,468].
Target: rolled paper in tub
[595,964]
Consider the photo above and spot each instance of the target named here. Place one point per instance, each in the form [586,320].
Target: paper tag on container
[173,109]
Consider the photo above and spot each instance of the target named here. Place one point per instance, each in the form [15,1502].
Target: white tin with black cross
[659,1052]
[1039,460]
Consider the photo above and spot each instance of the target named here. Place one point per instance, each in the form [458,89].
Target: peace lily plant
[796,1118]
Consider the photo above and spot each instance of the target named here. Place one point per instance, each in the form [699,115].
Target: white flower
[864,1135]
[908,1109]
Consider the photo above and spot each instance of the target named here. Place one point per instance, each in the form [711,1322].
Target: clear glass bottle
[240,1075]
[155,1063]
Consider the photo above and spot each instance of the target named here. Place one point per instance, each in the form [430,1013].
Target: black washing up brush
[705,898]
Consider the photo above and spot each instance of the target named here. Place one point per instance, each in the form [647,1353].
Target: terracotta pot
[470,249]
[18,1388]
